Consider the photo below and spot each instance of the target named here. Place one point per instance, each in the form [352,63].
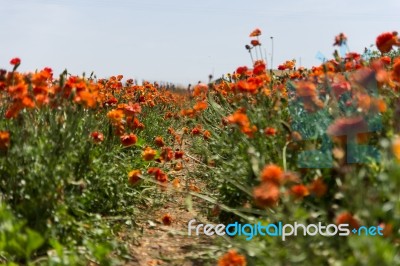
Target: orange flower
[159,141]
[115,116]
[200,90]
[134,177]
[206,134]
[128,139]
[318,187]
[272,173]
[176,183]
[149,154]
[4,140]
[246,86]
[97,137]
[255,33]
[266,194]
[239,118]
[200,106]
[396,148]
[299,191]
[167,219]
[232,258]
[347,218]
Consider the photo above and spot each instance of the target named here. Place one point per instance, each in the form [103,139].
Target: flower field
[84,159]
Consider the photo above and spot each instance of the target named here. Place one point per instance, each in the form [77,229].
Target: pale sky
[181,41]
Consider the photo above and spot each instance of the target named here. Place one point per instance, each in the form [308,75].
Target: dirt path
[161,244]
[169,244]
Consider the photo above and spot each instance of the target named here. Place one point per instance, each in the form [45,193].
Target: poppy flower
[232,258]
[255,43]
[115,115]
[132,109]
[259,68]
[340,39]
[385,41]
[15,61]
[159,175]
[134,177]
[206,134]
[272,173]
[148,154]
[167,154]
[200,106]
[196,130]
[347,218]
[396,70]
[266,194]
[97,136]
[179,155]
[299,191]
[386,60]
[395,147]
[241,70]
[256,32]
[318,187]
[159,141]
[4,140]
[270,131]
[128,139]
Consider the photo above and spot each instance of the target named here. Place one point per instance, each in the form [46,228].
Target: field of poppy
[82,159]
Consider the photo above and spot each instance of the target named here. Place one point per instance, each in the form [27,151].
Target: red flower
[385,41]
[270,131]
[128,140]
[159,141]
[167,154]
[15,61]
[97,137]
[241,70]
[299,191]
[347,218]
[259,69]
[318,187]
[179,154]
[255,42]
